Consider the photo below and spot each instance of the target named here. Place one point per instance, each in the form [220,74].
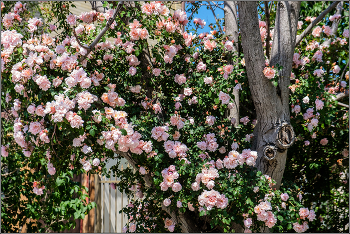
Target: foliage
[170,123]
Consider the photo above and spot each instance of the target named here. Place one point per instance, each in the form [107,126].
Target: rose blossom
[306,100]
[229,45]
[156,71]
[317,31]
[187,91]
[167,202]
[284,196]
[336,69]
[208,80]
[225,98]
[132,71]
[269,72]
[324,141]
[96,162]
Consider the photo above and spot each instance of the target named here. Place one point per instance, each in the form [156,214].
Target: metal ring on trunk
[285,136]
[270,152]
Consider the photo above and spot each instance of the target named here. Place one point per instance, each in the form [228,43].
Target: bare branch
[342,104]
[216,20]
[217,5]
[100,35]
[340,96]
[9,173]
[316,21]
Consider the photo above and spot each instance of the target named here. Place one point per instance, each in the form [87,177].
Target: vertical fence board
[98,203]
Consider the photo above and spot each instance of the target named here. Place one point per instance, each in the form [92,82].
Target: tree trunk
[231,29]
[271,103]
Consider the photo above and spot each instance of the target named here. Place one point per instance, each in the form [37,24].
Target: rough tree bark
[271,103]
[231,29]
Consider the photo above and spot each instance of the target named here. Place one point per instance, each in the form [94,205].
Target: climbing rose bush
[162,106]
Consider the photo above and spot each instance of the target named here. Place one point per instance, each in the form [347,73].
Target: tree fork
[271,103]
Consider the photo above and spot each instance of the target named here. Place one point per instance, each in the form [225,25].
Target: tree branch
[217,5]
[76,38]
[216,20]
[100,35]
[340,96]
[342,104]
[9,173]
[316,21]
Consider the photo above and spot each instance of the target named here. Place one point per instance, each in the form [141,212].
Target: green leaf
[123,132]
[59,181]
[280,218]
[92,132]
[275,83]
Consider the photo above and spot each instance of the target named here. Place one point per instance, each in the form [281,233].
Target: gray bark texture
[231,29]
[271,103]
[335,23]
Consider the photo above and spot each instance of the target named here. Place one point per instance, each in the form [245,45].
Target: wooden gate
[109,202]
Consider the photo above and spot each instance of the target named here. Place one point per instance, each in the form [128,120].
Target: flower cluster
[207,177]
[209,143]
[177,121]
[264,214]
[169,176]
[269,72]
[112,98]
[234,158]
[160,133]
[38,190]
[155,8]
[212,198]
[175,149]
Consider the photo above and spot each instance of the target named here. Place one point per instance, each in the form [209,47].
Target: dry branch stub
[285,136]
[270,152]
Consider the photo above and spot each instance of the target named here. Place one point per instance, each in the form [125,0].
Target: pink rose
[284,196]
[176,187]
[156,71]
[71,19]
[208,80]
[317,31]
[269,72]
[225,98]
[187,91]
[324,141]
[229,45]
[201,67]
[167,202]
[132,71]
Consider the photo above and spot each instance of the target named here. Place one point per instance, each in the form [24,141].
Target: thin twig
[192,12]
[76,38]
[9,173]
[217,5]
[316,21]
[216,20]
